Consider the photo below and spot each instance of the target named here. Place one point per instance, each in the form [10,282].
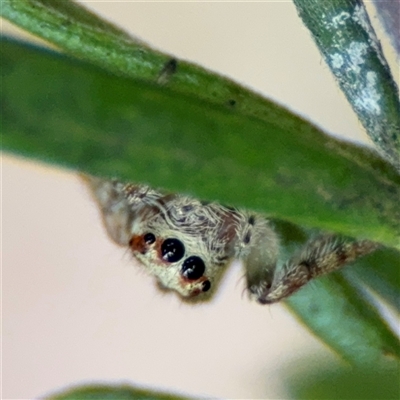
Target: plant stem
[347,41]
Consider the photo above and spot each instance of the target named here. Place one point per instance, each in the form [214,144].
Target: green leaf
[348,43]
[107,46]
[343,317]
[312,379]
[380,272]
[338,310]
[101,43]
[100,392]
[75,115]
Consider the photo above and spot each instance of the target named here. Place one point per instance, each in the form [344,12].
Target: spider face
[166,258]
[183,242]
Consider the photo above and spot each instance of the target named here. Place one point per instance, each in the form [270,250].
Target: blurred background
[76,308]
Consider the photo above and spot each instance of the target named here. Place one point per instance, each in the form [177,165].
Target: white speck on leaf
[361,17]
[356,53]
[369,96]
[337,60]
[340,19]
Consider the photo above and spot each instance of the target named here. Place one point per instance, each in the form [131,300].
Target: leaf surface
[340,310]
[64,112]
[102,392]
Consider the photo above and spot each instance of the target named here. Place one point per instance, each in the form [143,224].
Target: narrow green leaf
[312,379]
[380,271]
[101,43]
[348,43]
[75,115]
[336,307]
[102,392]
[83,34]
[344,318]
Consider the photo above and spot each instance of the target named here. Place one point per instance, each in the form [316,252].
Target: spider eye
[172,250]
[193,268]
[149,238]
[205,287]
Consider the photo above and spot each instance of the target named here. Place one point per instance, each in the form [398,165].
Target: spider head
[184,243]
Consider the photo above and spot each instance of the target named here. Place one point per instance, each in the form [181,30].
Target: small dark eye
[149,238]
[205,287]
[193,268]
[172,250]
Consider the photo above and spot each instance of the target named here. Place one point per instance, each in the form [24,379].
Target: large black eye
[193,268]
[172,250]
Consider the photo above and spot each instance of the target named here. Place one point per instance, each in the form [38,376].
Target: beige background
[76,308]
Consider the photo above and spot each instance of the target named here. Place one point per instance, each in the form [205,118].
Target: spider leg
[321,255]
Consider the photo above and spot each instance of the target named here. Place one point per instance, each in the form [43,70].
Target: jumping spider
[186,243]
